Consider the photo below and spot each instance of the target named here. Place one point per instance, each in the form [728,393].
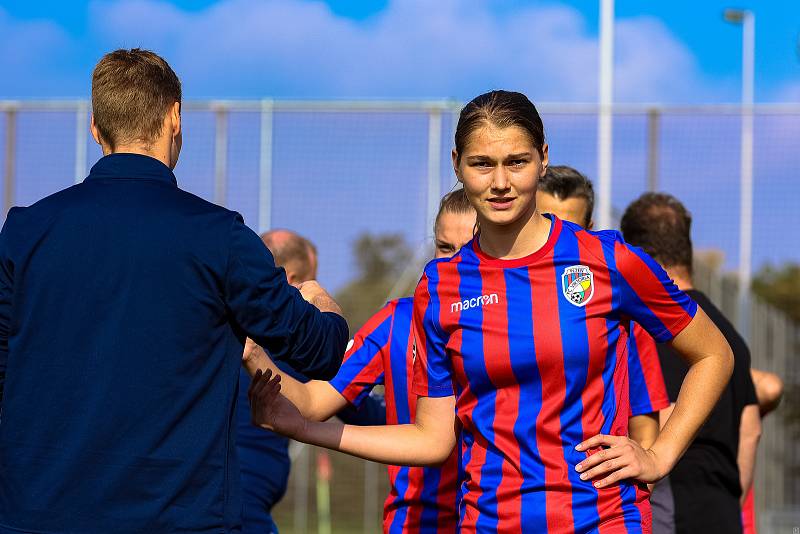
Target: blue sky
[337,176]
[677,51]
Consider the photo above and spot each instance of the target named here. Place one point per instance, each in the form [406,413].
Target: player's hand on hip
[621,458]
[271,410]
[316,295]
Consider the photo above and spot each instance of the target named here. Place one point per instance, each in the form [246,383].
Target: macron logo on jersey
[474,302]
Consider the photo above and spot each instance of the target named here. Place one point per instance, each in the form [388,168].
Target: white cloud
[414,48]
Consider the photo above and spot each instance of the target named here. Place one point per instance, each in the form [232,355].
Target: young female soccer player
[519,333]
[421,500]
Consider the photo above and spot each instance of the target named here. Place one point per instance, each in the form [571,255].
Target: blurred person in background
[263,455]
[769,391]
[124,306]
[569,195]
[421,499]
[703,491]
[516,337]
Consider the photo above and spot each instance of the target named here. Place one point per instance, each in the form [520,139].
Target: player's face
[571,209]
[500,168]
[453,231]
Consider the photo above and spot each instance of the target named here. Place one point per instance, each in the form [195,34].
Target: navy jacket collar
[131,166]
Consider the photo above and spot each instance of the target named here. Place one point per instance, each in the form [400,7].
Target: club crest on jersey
[577,284]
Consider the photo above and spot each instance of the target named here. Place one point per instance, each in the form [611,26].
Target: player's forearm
[699,393]
[255,358]
[643,429]
[391,444]
[320,401]
[749,435]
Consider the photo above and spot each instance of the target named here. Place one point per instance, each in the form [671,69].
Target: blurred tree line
[381,262]
[780,286]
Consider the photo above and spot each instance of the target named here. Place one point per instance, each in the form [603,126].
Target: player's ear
[545,160]
[454,156]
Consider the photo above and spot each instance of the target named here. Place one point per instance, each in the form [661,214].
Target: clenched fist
[316,295]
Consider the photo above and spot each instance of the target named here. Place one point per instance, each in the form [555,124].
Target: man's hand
[621,458]
[316,295]
[271,410]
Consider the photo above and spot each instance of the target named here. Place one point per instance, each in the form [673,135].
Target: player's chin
[502,217]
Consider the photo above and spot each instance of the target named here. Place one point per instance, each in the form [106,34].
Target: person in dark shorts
[703,491]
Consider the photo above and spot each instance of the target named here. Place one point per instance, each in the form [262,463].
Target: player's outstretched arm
[710,361]
[428,441]
[316,400]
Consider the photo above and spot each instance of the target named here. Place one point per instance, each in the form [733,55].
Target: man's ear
[175,116]
[97,137]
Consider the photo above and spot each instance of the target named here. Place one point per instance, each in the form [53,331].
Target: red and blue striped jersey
[648,393]
[533,351]
[421,500]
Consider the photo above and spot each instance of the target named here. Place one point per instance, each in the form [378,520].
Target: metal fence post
[265,168]
[301,510]
[11,141]
[434,164]
[221,156]
[653,133]
[81,139]
[606,117]
[371,505]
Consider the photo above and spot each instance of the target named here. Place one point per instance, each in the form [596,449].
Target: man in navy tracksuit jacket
[124,306]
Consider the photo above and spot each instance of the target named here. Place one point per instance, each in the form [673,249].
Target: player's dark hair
[661,226]
[295,249]
[455,201]
[132,90]
[564,182]
[501,109]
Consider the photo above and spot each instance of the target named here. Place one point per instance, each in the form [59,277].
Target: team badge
[577,284]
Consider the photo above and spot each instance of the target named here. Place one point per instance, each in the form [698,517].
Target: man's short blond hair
[132,91]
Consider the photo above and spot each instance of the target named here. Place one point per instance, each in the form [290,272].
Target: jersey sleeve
[363,368]
[432,370]
[648,296]
[648,393]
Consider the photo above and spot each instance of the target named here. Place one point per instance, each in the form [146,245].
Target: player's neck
[512,241]
[681,276]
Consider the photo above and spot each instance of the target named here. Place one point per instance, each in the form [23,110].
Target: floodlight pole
[747,20]
[604,123]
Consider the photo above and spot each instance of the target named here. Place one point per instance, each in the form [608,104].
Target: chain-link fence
[334,171]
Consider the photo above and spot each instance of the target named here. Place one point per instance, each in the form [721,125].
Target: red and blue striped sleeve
[648,393]
[363,366]
[432,370]
[648,296]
